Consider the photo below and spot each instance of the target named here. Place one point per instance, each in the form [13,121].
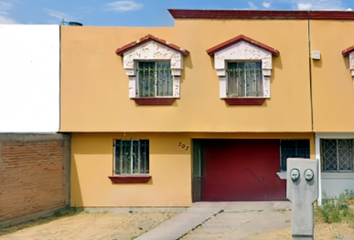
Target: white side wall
[29,78]
[334,187]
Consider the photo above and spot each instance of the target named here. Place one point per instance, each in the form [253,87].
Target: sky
[145,13]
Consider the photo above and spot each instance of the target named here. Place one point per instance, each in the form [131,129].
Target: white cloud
[59,15]
[266,4]
[252,6]
[319,4]
[123,6]
[5,6]
[5,20]
[304,6]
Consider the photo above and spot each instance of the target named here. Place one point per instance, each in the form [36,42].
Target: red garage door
[241,170]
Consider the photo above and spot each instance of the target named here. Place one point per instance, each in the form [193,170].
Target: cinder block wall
[34,174]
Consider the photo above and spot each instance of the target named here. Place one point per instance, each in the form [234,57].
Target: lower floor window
[131,157]
[293,149]
[337,154]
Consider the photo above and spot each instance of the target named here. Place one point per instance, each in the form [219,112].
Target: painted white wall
[29,78]
[334,187]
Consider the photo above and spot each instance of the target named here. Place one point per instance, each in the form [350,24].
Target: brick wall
[33,174]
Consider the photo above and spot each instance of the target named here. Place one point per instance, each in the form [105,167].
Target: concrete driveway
[224,220]
[243,221]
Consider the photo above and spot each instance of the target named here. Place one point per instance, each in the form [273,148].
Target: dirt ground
[323,231]
[254,225]
[86,226]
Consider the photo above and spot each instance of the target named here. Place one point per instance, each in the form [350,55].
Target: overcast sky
[139,12]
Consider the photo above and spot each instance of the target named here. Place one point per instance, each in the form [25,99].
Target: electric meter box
[302,191]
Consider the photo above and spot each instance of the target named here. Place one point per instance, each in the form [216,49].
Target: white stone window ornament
[350,52]
[152,49]
[245,55]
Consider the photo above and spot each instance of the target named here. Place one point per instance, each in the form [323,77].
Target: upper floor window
[154,67]
[244,68]
[244,79]
[154,79]
[337,154]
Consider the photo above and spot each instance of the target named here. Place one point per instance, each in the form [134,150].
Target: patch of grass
[66,212]
[281,210]
[337,209]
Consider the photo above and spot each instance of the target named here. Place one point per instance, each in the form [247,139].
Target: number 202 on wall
[182,145]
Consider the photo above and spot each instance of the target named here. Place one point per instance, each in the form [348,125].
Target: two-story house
[207,110]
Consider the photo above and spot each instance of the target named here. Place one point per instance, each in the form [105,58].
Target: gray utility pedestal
[302,191]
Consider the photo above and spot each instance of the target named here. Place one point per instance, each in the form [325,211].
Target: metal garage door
[241,170]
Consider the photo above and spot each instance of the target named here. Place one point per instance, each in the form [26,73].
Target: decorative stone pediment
[152,51]
[242,51]
[350,52]
[243,48]
[150,48]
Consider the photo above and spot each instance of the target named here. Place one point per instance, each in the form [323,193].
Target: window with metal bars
[293,149]
[337,154]
[154,79]
[244,79]
[131,157]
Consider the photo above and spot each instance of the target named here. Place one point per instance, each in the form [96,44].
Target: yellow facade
[306,98]
[94,85]
[92,163]
[332,83]
[170,168]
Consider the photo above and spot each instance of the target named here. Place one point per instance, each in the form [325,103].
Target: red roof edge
[147,38]
[260,14]
[223,45]
[347,51]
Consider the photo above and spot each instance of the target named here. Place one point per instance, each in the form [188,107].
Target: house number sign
[182,145]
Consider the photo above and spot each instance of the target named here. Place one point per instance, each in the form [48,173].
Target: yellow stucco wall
[94,86]
[332,84]
[170,168]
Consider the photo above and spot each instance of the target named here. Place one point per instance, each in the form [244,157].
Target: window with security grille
[337,154]
[131,157]
[244,79]
[293,149]
[154,79]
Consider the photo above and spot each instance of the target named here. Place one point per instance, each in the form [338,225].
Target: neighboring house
[207,110]
[29,78]
[33,157]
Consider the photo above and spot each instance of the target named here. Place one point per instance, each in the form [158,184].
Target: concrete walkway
[180,225]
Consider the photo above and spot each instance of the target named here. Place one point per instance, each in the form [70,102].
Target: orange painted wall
[94,87]
[170,168]
[92,163]
[332,84]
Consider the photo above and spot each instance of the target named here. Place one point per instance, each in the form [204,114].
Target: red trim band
[223,45]
[257,14]
[147,38]
[154,101]
[244,101]
[130,178]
